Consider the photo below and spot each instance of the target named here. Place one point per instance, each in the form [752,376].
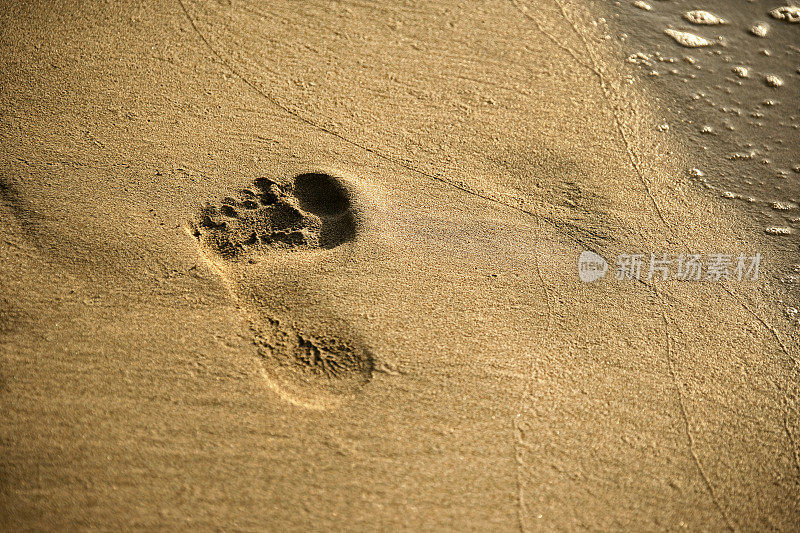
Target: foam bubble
[741,71]
[699,16]
[779,230]
[786,14]
[773,81]
[696,173]
[760,29]
[687,39]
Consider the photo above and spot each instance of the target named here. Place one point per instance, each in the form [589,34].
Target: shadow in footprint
[323,196]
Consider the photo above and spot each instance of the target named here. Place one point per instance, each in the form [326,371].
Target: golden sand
[195,334]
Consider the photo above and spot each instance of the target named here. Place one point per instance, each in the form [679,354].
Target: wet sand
[197,334]
[735,106]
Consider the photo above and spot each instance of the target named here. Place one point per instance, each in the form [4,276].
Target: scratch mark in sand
[610,98]
[593,66]
[783,394]
[790,435]
[520,434]
[487,195]
[515,203]
[324,129]
[629,148]
[685,416]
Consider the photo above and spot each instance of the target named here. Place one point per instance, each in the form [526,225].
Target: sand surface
[384,328]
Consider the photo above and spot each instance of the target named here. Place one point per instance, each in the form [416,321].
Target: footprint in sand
[312,212]
[319,363]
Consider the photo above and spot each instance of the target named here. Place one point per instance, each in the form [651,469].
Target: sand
[384,328]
